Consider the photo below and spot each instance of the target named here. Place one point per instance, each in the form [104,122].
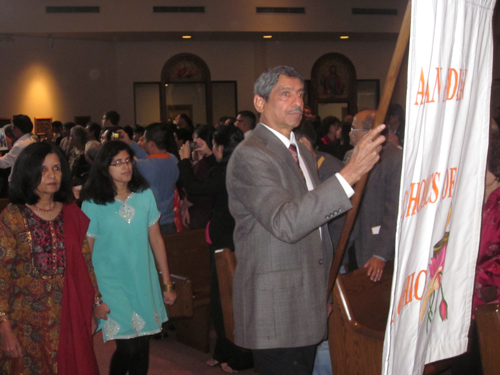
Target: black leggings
[131,355]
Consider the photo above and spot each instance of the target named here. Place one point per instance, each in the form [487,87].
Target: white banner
[442,182]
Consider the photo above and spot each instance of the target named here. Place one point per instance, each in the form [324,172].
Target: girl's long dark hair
[228,136]
[100,187]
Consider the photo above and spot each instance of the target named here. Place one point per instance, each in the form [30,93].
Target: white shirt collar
[284,139]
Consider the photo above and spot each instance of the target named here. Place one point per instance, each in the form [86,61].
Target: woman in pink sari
[487,283]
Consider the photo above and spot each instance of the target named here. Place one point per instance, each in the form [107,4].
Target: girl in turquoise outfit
[124,236]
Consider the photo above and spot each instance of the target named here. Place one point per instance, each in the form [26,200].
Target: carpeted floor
[167,356]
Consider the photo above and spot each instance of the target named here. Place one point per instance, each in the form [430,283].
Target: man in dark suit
[375,228]
[281,239]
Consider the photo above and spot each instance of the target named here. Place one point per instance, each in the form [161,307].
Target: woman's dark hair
[99,186]
[326,123]
[205,132]
[139,130]
[128,129]
[228,136]
[27,174]
[183,135]
[346,130]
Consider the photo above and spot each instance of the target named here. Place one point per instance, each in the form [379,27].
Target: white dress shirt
[9,159]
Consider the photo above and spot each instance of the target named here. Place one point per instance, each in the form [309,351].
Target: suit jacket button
[321,261]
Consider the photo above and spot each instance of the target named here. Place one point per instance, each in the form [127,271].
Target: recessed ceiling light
[344,37]
[186,37]
[166,84]
[267,36]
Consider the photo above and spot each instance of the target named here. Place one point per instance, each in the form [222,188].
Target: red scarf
[75,354]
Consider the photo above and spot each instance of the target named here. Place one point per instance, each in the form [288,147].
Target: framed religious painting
[43,125]
[333,84]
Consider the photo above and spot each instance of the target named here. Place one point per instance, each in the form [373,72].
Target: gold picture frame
[43,125]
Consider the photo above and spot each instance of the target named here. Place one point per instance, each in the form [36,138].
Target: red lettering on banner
[421,87]
[427,192]
[461,84]
[453,87]
[452,77]
[424,272]
[435,187]
[410,291]
[413,199]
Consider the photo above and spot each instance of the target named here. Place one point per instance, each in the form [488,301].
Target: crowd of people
[82,238]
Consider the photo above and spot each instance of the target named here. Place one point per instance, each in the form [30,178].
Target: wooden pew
[188,256]
[488,328]
[225,261]
[358,321]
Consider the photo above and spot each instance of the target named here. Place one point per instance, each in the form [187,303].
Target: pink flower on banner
[437,264]
[435,287]
[443,310]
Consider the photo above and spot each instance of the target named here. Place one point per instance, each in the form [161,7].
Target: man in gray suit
[280,237]
[375,228]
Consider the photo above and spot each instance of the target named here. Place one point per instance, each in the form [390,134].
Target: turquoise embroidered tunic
[124,265]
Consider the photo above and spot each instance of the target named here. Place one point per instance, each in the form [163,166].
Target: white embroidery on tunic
[126,211]
[157,319]
[137,322]
[110,328]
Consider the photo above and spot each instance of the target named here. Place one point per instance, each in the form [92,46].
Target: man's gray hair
[269,78]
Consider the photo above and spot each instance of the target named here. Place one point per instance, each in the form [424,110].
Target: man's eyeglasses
[354,130]
[119,162]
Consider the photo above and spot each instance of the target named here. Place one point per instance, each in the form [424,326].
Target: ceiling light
[344,37]
[186,37]
[267,36]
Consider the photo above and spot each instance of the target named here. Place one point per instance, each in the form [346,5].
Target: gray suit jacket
[279,287]
[379,208]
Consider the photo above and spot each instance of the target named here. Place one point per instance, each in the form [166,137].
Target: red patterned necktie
[293,151]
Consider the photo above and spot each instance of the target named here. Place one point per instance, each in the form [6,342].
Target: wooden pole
[390,82]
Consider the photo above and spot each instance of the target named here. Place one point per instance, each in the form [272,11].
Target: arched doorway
[186,88]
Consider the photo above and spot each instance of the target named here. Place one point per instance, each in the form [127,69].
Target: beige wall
[61,80]
[243,61]
[64,78]
[21,16]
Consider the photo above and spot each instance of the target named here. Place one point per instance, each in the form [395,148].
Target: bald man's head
[361,124]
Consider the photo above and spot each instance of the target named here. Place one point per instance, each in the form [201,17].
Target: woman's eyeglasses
[119,162]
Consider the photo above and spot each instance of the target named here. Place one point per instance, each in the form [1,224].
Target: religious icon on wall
[333,79]
[184,68]
[332,83]
[43,125]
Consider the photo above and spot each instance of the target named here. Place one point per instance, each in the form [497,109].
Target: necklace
[44,210]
